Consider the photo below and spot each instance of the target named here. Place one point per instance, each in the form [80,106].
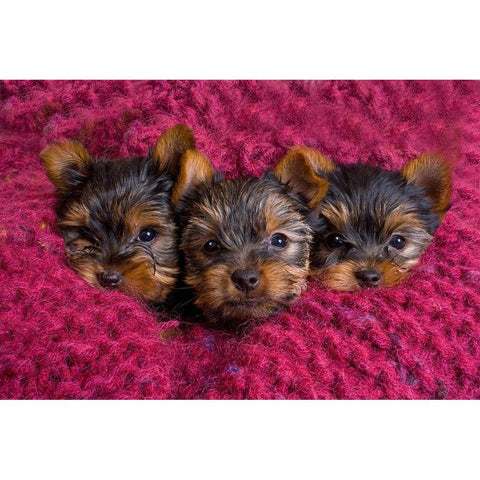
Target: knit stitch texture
[61,338]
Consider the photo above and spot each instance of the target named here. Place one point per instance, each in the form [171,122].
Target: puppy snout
[246,280]
[369,277]
[109,278]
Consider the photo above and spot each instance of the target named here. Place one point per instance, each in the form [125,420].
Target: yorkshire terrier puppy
[373,224]
[116,216]
[244,242]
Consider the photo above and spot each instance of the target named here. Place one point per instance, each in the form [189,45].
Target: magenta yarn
[61,338]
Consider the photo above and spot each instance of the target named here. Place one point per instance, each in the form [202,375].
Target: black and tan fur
[259,259]
[373,224]
[115,215]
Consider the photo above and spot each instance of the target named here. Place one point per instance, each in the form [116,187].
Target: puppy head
[374,224]
[245,242]
[115,216]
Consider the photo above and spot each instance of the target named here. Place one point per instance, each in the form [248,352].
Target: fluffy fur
[373,224]
[245,242]
[115,215]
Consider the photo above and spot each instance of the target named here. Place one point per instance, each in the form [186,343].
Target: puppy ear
[304,170]
[195,168]
[67,163]
[171,146]
[434,175]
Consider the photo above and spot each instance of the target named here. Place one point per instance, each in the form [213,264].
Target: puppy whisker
[148,250]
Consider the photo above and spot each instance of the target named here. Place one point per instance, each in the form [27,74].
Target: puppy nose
[109,278]
[368,276]
[245,280]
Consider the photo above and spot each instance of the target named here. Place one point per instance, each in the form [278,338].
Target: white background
[245,440]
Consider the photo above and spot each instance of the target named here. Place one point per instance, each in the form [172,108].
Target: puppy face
[116,217]
[374,224]
[245,242]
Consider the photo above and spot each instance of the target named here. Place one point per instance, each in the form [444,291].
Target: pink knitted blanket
[60,338]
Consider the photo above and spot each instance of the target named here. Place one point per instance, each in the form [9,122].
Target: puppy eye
[147,235]
[397,242]
[334,240]
[211,246]
[279,240]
